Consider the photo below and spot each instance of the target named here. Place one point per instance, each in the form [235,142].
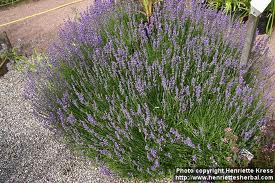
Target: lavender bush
[148,96]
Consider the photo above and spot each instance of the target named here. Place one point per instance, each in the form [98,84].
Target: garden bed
[146,93]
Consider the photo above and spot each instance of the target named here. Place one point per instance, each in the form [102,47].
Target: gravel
[31,153]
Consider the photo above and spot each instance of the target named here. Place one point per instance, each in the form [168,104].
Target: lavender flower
[105,171]
[152,154]
[91,119]
[238,91]
[80,97]
[105,142]
[176,133]
[247,135]
[104,152]
[71,119]
[194,158]
[189,142]
[132,83]
[155,165]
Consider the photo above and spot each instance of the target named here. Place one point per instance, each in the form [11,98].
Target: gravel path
[29,152]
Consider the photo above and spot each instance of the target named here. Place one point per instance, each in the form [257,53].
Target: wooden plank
[250,37]
[5,46]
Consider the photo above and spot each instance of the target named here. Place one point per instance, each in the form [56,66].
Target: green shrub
[148,97]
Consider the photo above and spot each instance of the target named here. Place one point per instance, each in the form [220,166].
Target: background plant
[146,97]
[242,8]
[8,2]
[148,6]
[20,62]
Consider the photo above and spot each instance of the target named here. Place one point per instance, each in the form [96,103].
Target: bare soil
[37,32]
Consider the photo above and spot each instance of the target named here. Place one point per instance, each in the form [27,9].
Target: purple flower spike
[91,119]
[104,152]
[152,154]
[104,170]
[176,133]
[80,97]
[71,119]
[238,91]
[155,165]
[189,142]
[194,158]
[247,135]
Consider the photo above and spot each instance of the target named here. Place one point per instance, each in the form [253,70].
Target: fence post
[5,46]
[249,39]
[4,41]
[257,8]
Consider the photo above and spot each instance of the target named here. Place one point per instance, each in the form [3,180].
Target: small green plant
[8,2]
[14,58]
[20,62]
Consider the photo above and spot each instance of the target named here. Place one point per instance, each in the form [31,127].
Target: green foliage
[8,2]
[146,97]
[20,62]
[242,7]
